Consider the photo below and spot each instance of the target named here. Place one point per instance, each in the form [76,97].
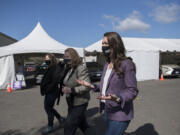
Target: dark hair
[117,50]
[130,58]
[75,58]
[52,58]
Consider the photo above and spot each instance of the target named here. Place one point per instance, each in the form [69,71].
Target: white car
[170,70]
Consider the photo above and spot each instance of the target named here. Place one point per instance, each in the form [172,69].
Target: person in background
[118,85]
[77,96]
[20,69]
[49,89]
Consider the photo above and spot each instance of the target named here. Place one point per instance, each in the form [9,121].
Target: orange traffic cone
[9,88]
[162,78]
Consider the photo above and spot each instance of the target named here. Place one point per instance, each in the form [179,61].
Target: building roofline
[8,37]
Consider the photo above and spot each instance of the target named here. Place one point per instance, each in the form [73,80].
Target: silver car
[170,70]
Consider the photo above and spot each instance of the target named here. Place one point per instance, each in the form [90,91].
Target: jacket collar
[103,75]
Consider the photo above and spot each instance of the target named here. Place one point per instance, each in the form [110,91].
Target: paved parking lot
[157,111]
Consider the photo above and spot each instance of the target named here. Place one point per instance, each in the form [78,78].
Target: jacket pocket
[113,106]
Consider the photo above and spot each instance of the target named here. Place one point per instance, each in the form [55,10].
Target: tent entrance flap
[7,71]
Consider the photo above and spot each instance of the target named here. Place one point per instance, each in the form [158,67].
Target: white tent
[38,41]
[163,45]
[7,71]
[145,53]
[131,44]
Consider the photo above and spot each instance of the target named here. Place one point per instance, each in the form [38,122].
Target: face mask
[48,62]
[106,50]
[67,61]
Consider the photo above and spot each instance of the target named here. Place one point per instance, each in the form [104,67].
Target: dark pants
[76,119]
[49,102]
[115,127]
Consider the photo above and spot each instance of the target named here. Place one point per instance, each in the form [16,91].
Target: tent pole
[84,59]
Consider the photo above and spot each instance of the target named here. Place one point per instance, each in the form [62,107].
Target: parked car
[30,73]
[170,70]
[95,71]
[30,67]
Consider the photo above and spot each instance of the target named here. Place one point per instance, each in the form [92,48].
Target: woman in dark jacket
[118,85]
[49,88]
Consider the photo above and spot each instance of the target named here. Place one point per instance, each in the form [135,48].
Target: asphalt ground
[157,111]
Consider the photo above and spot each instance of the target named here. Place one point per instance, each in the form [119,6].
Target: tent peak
[38,27]
[38,24]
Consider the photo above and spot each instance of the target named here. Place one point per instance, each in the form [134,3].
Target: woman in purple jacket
[118,85]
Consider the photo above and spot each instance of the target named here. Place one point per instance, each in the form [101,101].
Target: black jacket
[53,80]
[49,84]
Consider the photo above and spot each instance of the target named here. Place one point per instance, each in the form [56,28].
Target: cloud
[132,23]
[167,13]
[102,25]
[112,18]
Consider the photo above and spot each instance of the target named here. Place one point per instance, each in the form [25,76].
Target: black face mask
[67,61]
[106,51]
[48,62]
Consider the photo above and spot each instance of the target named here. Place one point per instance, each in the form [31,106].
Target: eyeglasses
[105,43]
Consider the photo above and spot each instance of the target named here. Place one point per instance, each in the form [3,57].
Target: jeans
[76,119]
[115,127]
[49,102]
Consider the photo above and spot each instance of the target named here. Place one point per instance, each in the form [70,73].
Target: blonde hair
[75,58]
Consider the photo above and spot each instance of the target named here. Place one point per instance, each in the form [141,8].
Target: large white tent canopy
[142,44]
[164,45]
[145,53]
[38,41]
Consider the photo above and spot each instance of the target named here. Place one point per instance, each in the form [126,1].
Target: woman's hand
[109,97]
[84,83]
[66,90]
